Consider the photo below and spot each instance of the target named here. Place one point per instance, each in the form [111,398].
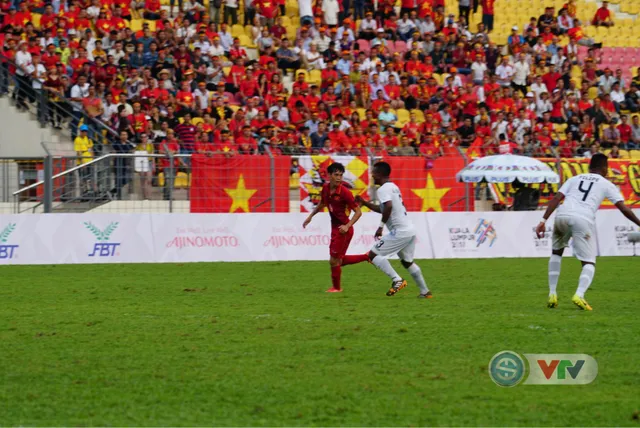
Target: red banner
[624,173]
[429,185]
[239,184]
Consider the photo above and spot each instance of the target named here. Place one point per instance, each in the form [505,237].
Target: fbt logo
[7,251]
[561,369]
[103,248]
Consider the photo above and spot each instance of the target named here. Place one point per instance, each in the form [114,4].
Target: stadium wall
[161,238]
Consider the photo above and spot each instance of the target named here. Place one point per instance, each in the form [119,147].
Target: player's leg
[387,246]
[337,249]
[352,259]
[584,248]
[406,258]
[336,275]
[560,240]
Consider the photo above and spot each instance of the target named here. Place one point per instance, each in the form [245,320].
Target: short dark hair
[335,167]
[383,168]
[598,161]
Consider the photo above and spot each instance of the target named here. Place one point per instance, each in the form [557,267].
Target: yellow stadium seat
[181,181]
[226,70]
[624,154]
[248,30]
[136,25]
[246,41]
[315,77]
[197,120]
[234,107]
[606,152]
[286,21]
[35,19]
[403,115]
[237,30]
[362,113]
[635,154]
[294,181]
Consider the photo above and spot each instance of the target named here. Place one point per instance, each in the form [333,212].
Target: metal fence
[156,182]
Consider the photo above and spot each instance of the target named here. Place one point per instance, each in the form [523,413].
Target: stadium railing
[182,183]
[48,109]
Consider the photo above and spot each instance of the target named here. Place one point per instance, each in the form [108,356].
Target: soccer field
[262,344]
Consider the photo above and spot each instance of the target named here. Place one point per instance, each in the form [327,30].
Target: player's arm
[385,209]
[627,212]
[373,207]
[321,206]
[553,204]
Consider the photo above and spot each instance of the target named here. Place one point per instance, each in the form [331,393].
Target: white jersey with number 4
[398,223]
[583,195]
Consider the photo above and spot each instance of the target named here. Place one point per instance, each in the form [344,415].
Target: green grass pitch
[240,344]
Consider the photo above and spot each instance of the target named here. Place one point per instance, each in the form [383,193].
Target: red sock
[356,258]
[336,273]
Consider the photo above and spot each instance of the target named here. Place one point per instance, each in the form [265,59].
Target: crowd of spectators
[403,81]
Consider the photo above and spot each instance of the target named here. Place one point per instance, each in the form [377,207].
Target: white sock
[588,271]
[554,272]
[384,265]
[416,273]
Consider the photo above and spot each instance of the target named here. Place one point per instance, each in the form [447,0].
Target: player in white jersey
[401,238]
[576,219]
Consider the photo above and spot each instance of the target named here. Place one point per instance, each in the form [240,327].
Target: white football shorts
[583,233]
[389,245]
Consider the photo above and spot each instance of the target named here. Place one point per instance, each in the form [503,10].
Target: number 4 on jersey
[585,191]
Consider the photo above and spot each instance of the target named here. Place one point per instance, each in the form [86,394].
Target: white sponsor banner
[18,243]
[262,237]
[613,229]
[205,237]
[99,238]
[140,238]
[472,235]
[489,234]
[76,238]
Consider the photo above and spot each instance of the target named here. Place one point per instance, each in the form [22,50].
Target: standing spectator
[23,87]
[521,73]
[331,9]
[464,8]
[487,14]
[214,10]
[121,164]
[79,92]
[83,147]
[231,12]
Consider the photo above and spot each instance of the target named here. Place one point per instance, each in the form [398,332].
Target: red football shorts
[339,242]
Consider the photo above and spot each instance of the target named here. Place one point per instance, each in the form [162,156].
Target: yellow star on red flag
[240,196]
[431,195]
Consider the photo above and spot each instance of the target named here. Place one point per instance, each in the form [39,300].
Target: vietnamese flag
[240,183]
[429,185]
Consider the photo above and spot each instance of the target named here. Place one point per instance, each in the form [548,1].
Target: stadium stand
[410,77]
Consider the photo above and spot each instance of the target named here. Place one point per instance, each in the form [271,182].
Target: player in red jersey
[340,202]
